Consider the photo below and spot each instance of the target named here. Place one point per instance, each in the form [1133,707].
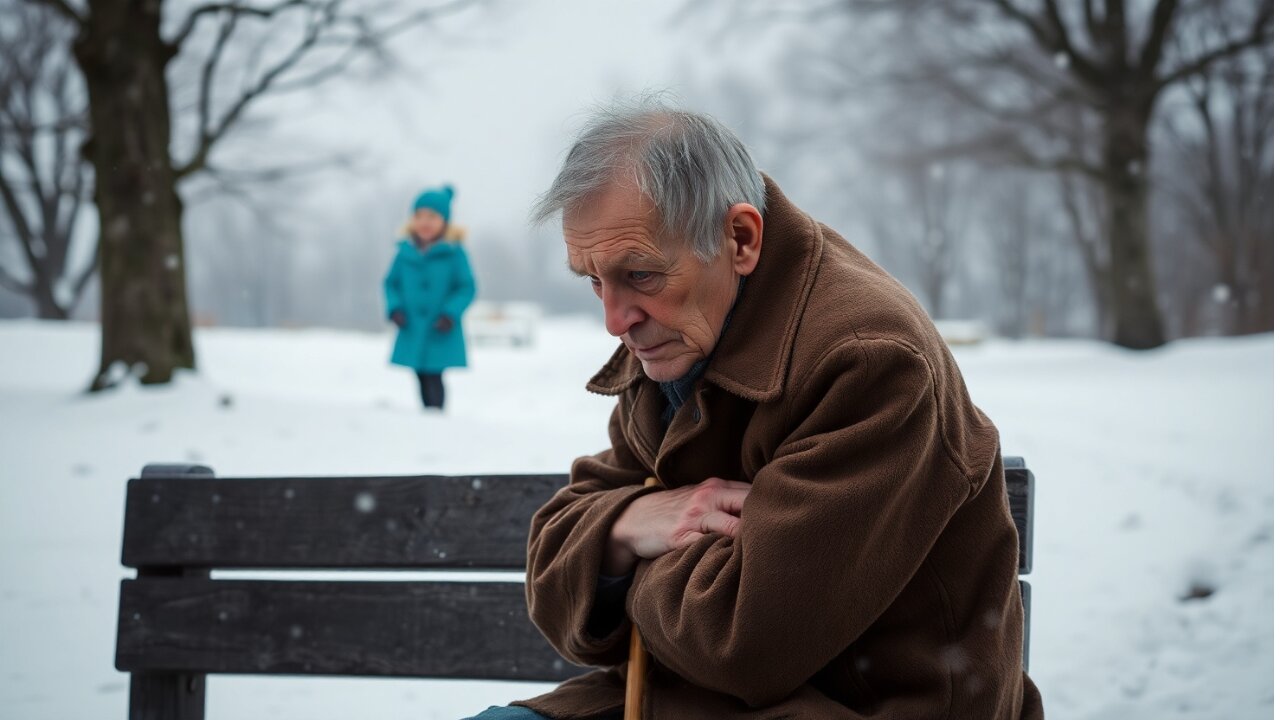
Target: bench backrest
[177,624]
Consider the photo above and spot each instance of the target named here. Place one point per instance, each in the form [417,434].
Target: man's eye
[640,275]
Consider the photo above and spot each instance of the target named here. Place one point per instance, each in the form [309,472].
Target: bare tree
[124,51]
[918,219]
[1012,237]
[1018,75]
[43,180]
[1220,183]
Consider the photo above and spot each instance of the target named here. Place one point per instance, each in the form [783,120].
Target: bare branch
[1087,249]
[63,9]
[1038,114]
[1029,21]
[1091,19]
[1051,35]
[209,137]
[280,172]
[40,119]
[1054,18]
[408,22]
[26,126]
[18,218]
[1214,186]
[1161,21]
[332,69]
[11,283]
[236,9]
[324,18]
[1259,35]
[1001,146]
[207,79]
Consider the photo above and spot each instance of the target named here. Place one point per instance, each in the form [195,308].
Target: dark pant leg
[422,388]
[432,388]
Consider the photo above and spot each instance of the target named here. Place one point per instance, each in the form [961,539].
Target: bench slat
[366,522]
[392,629]
[415,522]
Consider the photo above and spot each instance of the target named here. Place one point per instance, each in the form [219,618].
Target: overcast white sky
[489,100]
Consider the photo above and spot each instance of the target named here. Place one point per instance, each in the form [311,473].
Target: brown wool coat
[875,574]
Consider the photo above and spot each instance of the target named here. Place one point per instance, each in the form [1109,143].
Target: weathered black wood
[1025,588]
[1020,485]
[167,695]
[401,629]
[364,522]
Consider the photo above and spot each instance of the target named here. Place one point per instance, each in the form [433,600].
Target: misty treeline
[1098,168]
[1059,167]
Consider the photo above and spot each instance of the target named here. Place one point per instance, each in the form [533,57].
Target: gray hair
[691,166]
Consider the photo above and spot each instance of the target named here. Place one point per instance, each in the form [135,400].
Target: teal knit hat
[437,199]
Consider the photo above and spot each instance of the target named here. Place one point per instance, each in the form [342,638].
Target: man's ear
[744,228]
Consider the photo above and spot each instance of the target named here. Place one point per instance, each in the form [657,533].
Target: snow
[1154,482]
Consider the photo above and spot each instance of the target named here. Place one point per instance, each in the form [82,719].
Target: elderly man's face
[665,304]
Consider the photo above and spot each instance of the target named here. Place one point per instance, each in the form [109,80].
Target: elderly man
[829,537]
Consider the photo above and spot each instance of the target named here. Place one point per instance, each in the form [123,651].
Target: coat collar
[409,248]
[752,357]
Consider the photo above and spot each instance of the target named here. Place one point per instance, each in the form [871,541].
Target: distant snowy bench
[176,624]
[509,323]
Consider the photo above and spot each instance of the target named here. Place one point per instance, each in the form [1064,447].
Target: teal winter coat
[426,284]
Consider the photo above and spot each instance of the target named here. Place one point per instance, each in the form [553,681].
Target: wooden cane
[638,665]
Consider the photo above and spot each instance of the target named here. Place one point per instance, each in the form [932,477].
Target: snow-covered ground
[1154,473]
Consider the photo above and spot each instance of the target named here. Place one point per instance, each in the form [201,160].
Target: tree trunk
[145,323]
[47,307]
[1255,310]
[1135,320]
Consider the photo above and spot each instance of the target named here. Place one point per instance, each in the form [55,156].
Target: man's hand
[398,317]
[656,524]
[444,323]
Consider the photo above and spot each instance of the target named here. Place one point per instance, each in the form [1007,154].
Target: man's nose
[620,313]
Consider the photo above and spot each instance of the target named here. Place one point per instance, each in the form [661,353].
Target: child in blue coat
[427,288]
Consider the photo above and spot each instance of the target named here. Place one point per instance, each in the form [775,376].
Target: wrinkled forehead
[618,203]
[616,222]
[616,249]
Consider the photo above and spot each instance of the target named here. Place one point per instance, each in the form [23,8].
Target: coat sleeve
[835,525]
[462,287]
[567,541]
[392,288]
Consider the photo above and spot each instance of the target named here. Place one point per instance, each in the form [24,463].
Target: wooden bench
[177,624]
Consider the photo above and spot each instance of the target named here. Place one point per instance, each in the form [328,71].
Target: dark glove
[399,318]
[444,323]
